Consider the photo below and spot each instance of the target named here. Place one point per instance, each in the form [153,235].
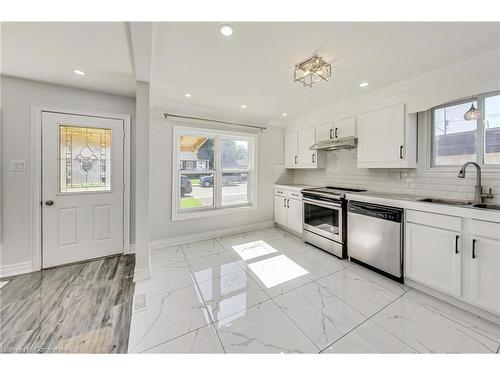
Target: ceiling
[50,51]
[255,65]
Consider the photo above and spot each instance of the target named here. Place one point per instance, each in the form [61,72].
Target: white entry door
[82,188]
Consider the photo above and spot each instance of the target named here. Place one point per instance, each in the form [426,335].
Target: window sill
[176,216]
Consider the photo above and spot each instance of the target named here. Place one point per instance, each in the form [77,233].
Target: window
[456,140]
[215,171]
[84,159]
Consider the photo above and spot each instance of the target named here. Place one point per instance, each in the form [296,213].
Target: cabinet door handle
[336,133]
[401,152]
[474,248]
[295,159]
[284,202]
[456,243]
[288,203]
[313,157]
[331,136]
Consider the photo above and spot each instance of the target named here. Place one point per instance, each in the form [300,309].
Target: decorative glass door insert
[84,159]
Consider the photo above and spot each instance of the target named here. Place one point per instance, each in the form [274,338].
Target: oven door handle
[322,204]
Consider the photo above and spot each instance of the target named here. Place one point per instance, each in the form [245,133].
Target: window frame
[480,134]
[217,208]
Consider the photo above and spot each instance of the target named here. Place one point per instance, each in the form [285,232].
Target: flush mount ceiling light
[312,70]
[471,114]
[363,84]
[243,106]
[187,95]
[226,30]
[79,72]
[284,114]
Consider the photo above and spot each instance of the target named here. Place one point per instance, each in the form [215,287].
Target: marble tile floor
[79,308]
[268,292]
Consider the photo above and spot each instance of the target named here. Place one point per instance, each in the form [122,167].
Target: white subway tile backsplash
[341,171]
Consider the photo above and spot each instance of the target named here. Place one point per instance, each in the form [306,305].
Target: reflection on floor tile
[167,255]
[165,278]
[263,329]
[377,278]
[319,314]
[2,283]
[230,294]
[365,296]
[369,338]
[203,340]
[482,326]
[213,266]
[166,317]
[429,332]
[202,248]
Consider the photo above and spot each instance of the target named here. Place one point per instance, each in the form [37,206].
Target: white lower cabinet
[280,210]
[457,256]
[288,209]
[294,207]
[485,273]
[433,258]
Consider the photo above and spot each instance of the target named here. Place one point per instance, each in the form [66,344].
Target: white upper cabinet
[387,138]
[297,153]
[324,132]
[306,138]
[345,128]
[291,157]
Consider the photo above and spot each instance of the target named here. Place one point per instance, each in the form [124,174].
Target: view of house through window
[456,140]
[214,170]
[492,130]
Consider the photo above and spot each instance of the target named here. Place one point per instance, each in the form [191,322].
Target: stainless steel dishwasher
[375,237]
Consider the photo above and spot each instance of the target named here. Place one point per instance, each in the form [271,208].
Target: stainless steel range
[325,218]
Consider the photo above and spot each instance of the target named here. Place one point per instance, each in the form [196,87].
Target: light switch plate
[18,165]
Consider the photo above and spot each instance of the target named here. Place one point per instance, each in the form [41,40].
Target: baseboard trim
[15,269]
[175,241]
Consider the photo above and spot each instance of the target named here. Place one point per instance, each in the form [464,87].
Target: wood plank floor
[79,308]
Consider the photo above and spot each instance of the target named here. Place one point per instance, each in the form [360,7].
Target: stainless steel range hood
[330,144]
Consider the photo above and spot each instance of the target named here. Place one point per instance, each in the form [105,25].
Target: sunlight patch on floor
[277,270]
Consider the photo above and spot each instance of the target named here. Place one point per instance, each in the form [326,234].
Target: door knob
[49,203]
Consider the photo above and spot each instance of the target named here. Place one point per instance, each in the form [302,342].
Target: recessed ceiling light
[226,30]
[284,114]
[79,72]
[187,95]
[243,106]
[363,84]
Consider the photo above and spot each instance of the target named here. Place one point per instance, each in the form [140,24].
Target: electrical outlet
[18,165]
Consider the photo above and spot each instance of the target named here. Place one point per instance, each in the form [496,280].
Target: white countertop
[291,186]
[411,202]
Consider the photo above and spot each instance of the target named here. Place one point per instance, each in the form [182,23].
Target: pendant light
[472,113]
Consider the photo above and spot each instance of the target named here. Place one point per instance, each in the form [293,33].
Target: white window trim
[252,185]
[429,137]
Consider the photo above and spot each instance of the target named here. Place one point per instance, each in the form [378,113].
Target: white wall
[270,153]
[17,97]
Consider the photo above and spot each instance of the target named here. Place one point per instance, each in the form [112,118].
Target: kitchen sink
[446,201]
[487,206]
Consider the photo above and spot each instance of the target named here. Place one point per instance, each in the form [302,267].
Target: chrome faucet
[478,195]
